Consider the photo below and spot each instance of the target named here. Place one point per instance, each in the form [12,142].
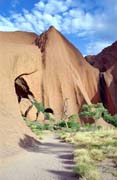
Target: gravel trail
[48,160]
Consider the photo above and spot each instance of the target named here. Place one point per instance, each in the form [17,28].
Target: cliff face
[17,55]
[47,68]
[66,75]
[106,62]
[105,59]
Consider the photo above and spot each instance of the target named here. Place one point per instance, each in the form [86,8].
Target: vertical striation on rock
[61,73]
[65,74]
[106,62]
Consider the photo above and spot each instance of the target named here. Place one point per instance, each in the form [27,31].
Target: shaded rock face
[106,62]
[60,72]
[105,59]
[105,95]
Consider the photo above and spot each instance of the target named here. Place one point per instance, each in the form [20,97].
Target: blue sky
[90,25]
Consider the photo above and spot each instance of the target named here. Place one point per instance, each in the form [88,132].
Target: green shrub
[62,123]
[97,111]
[39,106]
[48,117]
[47,127]
[74,125]
[110,119]
[73,117]
[35,125]
[71,125]
[92,110]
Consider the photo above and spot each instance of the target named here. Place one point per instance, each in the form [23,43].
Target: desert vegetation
[94,144]
[92,148]
[97,111]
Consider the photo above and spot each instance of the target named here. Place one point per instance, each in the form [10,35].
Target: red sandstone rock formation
[106,62]
[50,69]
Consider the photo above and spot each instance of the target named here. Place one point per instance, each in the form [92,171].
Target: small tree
[65,112]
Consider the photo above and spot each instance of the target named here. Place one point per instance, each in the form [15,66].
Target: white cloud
[95,47]
[53,6]
[67,12]
[95,20]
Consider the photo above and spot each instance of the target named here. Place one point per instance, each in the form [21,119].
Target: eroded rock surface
[59,72]
[106,62]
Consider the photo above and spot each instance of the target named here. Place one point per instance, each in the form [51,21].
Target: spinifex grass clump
[92,148]
[87,171]
[97,154]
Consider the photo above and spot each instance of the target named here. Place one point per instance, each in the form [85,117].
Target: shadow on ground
[64,175]
[61,150]
[30,144]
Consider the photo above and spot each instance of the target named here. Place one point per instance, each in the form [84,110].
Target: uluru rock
[17,55]
[106,62]
[50,69]
[105,59]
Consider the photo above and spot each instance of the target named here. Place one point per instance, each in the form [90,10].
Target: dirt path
[50,160]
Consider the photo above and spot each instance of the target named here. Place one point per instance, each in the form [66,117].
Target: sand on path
[48,160]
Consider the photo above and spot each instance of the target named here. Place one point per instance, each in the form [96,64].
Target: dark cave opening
[22,89]
[49,110]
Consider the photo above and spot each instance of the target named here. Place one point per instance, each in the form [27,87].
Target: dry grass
[92,147]
[87,171]
[97,154]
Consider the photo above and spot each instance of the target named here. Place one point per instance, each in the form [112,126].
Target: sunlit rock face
[47,68]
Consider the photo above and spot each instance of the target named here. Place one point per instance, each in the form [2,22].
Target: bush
[73,117]
[35,125]
[47,127]
[74,125]
[110,119]
[92,110]
[39,106]
[62,124]
[97,111]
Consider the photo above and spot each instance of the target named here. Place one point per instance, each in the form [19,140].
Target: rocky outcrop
[106,62]
[17,55]
[46,67]
[65,74]
[105,59]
